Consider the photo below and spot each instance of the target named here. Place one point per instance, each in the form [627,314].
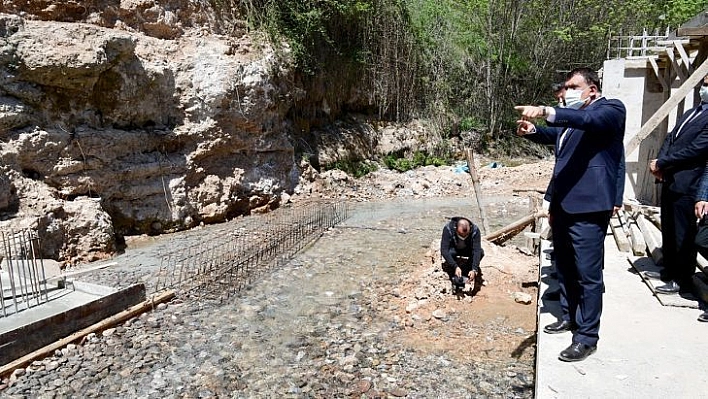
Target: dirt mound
[489,325]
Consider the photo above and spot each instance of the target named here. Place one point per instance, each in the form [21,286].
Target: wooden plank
[652,236]
[663,111]
[636,239]
[512,229]
[619,234]
[37,334]
[477,189]
[525,190]
[684,56]
[100,326]
[655,68]
[678,68]
[693,31]
[655,219]
[544,227]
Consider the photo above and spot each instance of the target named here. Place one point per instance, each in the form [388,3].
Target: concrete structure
[70,307]
[656,87]
[41,305]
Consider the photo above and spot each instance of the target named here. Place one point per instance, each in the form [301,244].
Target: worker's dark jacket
[450,248]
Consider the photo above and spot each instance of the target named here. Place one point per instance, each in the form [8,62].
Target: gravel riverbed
[329,323]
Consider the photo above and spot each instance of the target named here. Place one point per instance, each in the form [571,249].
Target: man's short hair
[463,227]
[557,86]
[590,76]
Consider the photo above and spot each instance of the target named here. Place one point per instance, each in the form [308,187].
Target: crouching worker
[461,249]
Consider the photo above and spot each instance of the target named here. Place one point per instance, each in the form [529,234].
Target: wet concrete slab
[57,300]
[67,306]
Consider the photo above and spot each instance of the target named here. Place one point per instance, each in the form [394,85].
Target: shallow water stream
[314,326]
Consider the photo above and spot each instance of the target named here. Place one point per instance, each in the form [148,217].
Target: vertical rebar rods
[22,276]
[223,264]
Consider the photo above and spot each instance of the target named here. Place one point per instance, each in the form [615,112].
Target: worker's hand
[701,209]
[615,209]
[524,127]
[458,271]
[472,274]
[659,175]
[652,166]
[530,111]
[654,169]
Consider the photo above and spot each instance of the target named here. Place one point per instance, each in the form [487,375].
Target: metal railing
[222,265]
[637,46]
[23,282]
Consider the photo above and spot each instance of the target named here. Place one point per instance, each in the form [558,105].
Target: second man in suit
[679,167]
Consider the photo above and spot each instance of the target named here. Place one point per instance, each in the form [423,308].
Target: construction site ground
[651,345]
[366,312]
[359,313]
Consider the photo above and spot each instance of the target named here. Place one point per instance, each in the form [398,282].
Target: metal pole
[477,190]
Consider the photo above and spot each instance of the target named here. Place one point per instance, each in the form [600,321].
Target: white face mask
[703,92]
[573,99]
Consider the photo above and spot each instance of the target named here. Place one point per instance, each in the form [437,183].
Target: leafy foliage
[354,168]
[400,163]
[465,62]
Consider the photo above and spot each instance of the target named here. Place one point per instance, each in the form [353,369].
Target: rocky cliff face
[133,119]
[141,117]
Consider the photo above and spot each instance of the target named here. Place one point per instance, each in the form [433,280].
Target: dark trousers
[678,235]
[465,266]
[578,244]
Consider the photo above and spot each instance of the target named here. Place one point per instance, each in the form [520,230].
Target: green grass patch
[401,163]
[354,168]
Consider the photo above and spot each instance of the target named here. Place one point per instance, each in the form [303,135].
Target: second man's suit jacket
[682,159]
[585,176]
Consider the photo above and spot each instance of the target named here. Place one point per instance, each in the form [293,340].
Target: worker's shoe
[576,352]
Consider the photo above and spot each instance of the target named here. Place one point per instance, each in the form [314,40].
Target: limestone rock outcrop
[130,125]
[144,117]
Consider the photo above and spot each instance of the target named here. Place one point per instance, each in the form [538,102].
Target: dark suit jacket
[448,244]
[682,159]
[586,173]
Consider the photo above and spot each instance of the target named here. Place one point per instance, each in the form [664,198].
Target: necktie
[693,116]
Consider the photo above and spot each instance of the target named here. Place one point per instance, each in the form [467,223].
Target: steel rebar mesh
[23,281]
[222,264]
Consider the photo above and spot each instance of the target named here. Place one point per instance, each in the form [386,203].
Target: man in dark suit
[679,166]
[587,134]
[461,250]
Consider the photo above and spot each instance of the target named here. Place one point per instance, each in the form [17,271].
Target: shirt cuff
[550,114]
